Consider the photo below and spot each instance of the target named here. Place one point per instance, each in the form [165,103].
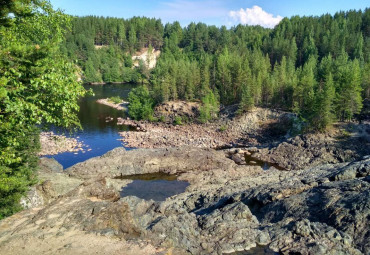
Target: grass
[223,128]
[178,120]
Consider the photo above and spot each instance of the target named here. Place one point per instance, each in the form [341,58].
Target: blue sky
[214,12]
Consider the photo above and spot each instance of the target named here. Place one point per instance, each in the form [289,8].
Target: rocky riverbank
[249,129]
[263,132]
[344,143]
[227,207]
[52,144]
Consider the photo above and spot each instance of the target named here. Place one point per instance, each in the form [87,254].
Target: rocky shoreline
[245,130]
[52,144]
[264,132]
[227,208]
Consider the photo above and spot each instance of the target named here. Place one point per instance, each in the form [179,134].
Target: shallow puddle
[258,250]
[252,161]
[157,186]
[149,177]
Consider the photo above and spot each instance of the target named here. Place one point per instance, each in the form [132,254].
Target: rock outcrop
[168,111]
[227,208]
[314,149]
[148,58]
[122,106]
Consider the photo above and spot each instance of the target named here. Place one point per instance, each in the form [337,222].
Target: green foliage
[286,67]
[178,121]
[210,107]
[162,119]
[247,101]
[115,99]
[103,46]
[128,61]
[37,86]
[223,128]
[140,104]
[323,113]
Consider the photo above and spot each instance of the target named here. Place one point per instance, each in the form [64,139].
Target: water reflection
[155,186]
[252,161]
[99,134]
[259,250]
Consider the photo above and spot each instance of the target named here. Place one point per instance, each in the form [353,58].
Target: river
[98,135]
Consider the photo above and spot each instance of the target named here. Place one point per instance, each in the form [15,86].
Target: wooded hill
[318,67]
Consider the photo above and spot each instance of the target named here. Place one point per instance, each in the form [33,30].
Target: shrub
[115,99]
[223,128]
[141,104]
[162,119]
[178,120]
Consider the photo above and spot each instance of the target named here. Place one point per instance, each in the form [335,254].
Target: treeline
[318,67]
[103,47]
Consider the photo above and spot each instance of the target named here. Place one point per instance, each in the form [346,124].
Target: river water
[98,135]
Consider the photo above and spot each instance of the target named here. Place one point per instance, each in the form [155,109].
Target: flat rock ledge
[228,207]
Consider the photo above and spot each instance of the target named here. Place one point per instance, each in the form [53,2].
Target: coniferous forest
[317,67]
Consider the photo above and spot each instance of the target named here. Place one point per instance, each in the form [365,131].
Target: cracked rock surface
[227,207]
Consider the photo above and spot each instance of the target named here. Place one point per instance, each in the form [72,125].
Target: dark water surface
[259,250]
[252,161]
[157,186]
[98,135]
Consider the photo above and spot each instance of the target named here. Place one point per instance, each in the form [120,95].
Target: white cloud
[255,16]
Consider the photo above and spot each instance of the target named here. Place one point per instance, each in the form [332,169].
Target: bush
[20,174]
[116,99]
[223,128]
[162,119]
[178,120]
[140,104]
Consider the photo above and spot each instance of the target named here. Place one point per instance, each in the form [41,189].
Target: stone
[226,208]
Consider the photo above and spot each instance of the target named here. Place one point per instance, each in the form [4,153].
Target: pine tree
[350,97]
[210,107]
[247,101]
[323,114]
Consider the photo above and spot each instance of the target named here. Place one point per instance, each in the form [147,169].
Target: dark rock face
[310,150]
[170,110]
[290,216]
[227,207]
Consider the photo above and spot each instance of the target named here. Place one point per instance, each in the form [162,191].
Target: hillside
[315,66]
